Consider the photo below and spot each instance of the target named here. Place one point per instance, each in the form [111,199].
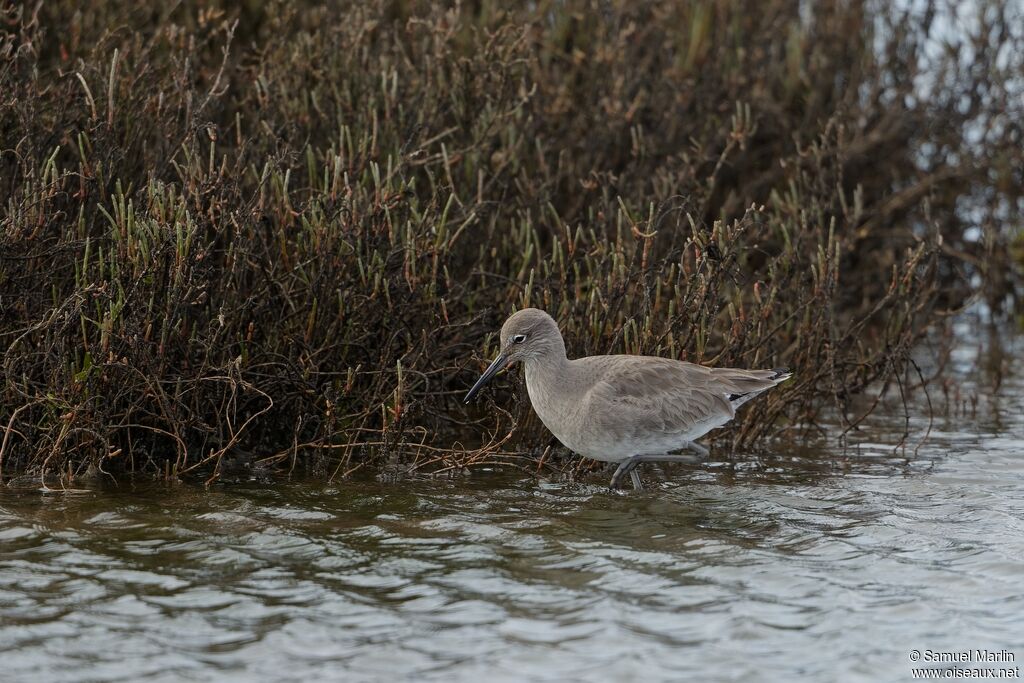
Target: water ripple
[816,565]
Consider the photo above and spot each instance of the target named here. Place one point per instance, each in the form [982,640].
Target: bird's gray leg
[697,448]
[625,467]
[628,466]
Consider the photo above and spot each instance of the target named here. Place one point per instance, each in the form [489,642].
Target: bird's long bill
[496,366]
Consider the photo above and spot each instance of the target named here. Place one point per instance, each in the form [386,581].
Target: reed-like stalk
[287,233]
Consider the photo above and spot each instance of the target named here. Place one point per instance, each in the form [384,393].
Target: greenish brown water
[806,564]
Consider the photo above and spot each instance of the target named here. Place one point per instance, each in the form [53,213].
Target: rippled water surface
[808,564]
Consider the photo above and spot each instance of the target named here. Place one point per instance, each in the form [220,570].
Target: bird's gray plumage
[613,408]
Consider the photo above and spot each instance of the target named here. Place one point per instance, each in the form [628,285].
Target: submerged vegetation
[287,234]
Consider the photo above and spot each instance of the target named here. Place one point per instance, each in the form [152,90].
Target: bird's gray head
[530,334]
[527,335]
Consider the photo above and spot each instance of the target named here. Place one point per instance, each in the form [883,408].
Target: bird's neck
[547,376]
[553,361]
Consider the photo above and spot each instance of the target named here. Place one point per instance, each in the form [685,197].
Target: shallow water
[808,564]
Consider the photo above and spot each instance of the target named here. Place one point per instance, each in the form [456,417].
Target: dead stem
[257,248]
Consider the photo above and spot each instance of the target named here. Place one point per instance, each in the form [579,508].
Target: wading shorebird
[624,409]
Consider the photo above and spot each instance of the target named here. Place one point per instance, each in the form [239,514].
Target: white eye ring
[518,338]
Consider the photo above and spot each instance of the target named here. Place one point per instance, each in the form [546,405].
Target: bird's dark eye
[518,338]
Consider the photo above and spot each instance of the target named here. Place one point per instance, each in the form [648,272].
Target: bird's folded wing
[662,397]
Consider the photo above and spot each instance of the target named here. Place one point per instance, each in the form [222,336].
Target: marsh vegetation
[284,235]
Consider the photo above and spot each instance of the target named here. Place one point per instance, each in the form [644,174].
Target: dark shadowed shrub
[288,233]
